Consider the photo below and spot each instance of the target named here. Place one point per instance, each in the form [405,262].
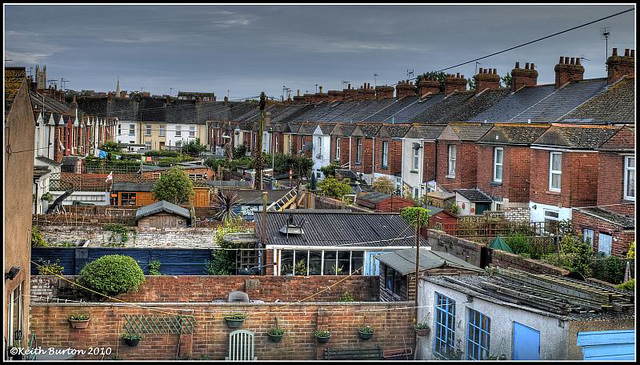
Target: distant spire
[118,88]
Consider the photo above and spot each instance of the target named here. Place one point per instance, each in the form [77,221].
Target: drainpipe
[373,159]
[349,152]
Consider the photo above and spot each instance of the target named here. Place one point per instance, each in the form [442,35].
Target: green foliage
[574,255]
[131,336]
[37,238]
[236,316]
[223,261]
[610,269]
[519,244]
[193,148]
[226,202]
[79,316]
[162,153]
[154,267]
[366,329]
[301,268]
[47,196]
[111,146]
[347,297]
[628,285]
[421,326]
[112,275]
[330,170]
[632,251]
[275,331]
[410,214]
[46,267]
[322,334]
[240,151]
[472,83]
[454,208]
[117,229]
[213,163]
[300,164]
[173,186]
[333,188]
[506,80]
[384,185]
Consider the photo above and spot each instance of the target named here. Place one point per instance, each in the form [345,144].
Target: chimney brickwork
[527,76]
[426,86]
[405,89]
[384,92]
[487,79]
[619,66]
[568,70]
[455,82]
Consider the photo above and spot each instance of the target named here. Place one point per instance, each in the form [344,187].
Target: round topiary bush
[112,275]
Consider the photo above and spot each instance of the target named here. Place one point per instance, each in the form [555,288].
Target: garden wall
[194,288]
[392,323]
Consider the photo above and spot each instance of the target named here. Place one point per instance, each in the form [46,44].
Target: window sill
[384,167]
[414,171]
[495,183]
[554,192]
[450,177]
[628,200]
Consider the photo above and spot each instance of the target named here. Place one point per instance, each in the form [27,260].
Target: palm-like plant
[224,205]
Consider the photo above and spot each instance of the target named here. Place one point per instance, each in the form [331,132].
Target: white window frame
[415,162]
[385,154]
[337,149]
[178,131]
[359,151]
[555,172]
[319,147]
[161,131]
[192,131]
[497,164]
[453,150]
[147,131]
[132,130]
[629,172]
[591,237]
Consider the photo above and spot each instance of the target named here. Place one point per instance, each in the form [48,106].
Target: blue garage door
[608,345]
[526,342]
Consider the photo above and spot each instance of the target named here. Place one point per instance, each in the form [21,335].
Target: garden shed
[163,215]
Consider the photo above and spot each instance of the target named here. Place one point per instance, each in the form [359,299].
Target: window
[16,312]
[604,243]
[178,131]
[445,318]
[359,155]
[452,161]
[385,154]
[330,262]
[301,266]
[319,144]
[630,178]
[551,220]
[286,263]
[337,149]
[289,143]
[128,199]
[478,335]
[357,262]
[147,131]
[587,236]
[393,280]
[497,164]
[555,171]
[132,129]
[147,145]
[315,262]
[119,129]
[276,145]
[192,131]
[161,131]
[416,193]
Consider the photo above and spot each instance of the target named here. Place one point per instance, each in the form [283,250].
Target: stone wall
[392,323]
[195,288]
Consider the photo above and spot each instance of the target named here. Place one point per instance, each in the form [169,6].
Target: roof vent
[291,227]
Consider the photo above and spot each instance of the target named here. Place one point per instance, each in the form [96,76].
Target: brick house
[362,155]
[504,163]
[419,168]
[457,155]
[341,144]
[565,172]
[388,152]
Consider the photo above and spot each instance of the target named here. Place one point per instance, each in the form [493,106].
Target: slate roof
[50,105]
[624,221]
[587,137]
[162,206]
[475,105]
[430,132]
[404,261]
[232,183]
[151,110]
[615,105]
[467,131]
[561,101]
[474,195]
[329,229]
[442,109]
[513,133]
[393,130]
[369,130]
[254,197]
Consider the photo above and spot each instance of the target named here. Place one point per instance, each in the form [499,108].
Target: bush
[627,285]
[112,275]
[333,188]
[346,297]
[173,186]
[384,185]
[49,268]
[154,267]
[410,214]
[610,269]
[37,239]
[519,244]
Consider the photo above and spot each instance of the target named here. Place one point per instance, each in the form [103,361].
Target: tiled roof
[615,104]
[513,133]
[507,108]
[624,221]
[562,135]
[562,101]
[393,130]
[329,229]
[162,206]
[151,110]
[430,132]
[474,195]
[132,187]
[465,131]
[254,197]
[440,110]
[475,105]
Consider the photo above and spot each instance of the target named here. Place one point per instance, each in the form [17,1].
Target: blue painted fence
[608,345]
[173,261]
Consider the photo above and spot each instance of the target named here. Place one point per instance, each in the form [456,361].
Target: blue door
[371,264]
[526,343]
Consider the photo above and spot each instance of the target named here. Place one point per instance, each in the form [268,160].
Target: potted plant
[79,321]
[322,336]
[365,332]
[275,334]
[131,339]
[235,320]
[421,328]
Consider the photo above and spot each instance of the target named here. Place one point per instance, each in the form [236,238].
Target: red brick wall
[344,150]
[429,161]
[366,165]
[621,239]
[394,157]
[611,183]
[515,172]
[391,322]
[466,165]
[579,186]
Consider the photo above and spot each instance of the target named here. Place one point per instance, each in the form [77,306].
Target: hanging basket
[79,323]
[365,335]
[275,338]
[133,342]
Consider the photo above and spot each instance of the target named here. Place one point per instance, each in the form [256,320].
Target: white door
[604,244]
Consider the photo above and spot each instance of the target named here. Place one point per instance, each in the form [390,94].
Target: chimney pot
[615,52]
[458,75]
[526,66]
[578,61]
[517,65]
[633,53]
[561,60]
[532,66]
[573,60]
[566,60]
[626,52]
[480,69]
[348,86]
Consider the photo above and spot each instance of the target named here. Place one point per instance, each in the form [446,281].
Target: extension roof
[576,137]
[404,261]
[474,195]
[428,132]
[464,131]
[335,229]
[162,206]
[624,221]
[514,134]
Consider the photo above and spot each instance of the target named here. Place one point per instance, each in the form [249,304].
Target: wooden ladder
[284,202]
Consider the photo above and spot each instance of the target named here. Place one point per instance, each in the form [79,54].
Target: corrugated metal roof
[404,261]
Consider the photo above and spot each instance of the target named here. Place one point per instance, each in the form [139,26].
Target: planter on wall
[133,342]
[79,323]
[275,338]
[365,335]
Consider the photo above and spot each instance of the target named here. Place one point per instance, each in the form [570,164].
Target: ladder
[284,202]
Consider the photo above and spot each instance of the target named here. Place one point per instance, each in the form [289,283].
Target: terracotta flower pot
[79,323]
[422,332]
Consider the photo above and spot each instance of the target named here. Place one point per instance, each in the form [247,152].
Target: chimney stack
[366,93]
[619,66]
[405,88]
[426,86]
[349,94]
[384,92]
[455,82]
[336,95]
[568,70]
[527,76]
[487,79]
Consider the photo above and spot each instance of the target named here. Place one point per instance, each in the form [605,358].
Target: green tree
[440,76]
[410,214]
[193,148]
[632,251]
[223,261]
[301,165]
[226,202]
[333,188]
[506,80]
[111,146]
[173,186]
[213,163]
[383,185]
[240,151]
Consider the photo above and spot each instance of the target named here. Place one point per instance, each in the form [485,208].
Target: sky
[243,50]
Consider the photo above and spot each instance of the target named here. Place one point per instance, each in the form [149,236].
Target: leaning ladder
[284,202]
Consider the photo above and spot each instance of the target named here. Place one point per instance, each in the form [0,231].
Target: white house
[321,154]
[418,158]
